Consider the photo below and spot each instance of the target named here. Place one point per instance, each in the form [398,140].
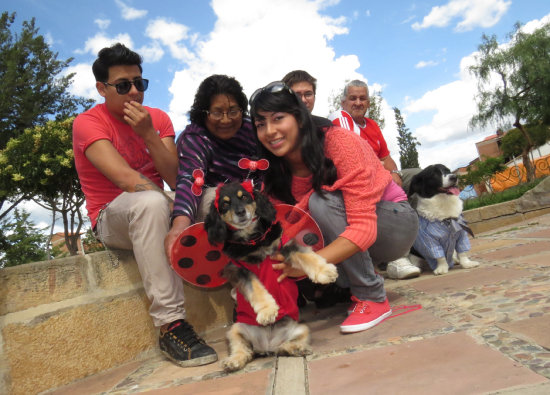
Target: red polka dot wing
[199,263]
[196,261]
[299,225]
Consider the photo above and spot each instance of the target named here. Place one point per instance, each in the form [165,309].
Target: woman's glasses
[274,87]
[124,87]
[218,115]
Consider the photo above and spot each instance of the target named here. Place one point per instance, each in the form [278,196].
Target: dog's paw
[234,363]
[294,349]
[441,269]
[326,274]
[267,314]
[466,263]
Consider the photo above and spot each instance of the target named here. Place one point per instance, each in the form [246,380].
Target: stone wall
[69,318]
[66,319]
[532,204]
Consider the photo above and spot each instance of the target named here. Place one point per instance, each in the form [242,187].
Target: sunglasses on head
[124,87]
[274,87]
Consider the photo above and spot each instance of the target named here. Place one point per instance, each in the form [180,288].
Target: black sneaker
[183,346]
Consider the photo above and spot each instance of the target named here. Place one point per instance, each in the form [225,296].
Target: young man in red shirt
[124,152]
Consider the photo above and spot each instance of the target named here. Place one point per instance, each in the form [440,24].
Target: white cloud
[531,26]
[49,39]
[152,53]
[454,105]
[429,63]
[471,13]
[171,34]
[128,13]
[83,83]
[102,23]
[100,40]
[447,138]
[41,217]
[408,19]
[257,47]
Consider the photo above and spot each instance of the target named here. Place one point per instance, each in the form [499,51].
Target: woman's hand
[288,270]
[178,226]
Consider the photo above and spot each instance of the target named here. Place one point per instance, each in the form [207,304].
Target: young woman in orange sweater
[336,177]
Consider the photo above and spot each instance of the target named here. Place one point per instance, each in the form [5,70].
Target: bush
[501,197]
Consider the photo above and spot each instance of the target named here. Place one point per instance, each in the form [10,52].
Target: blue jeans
[397,226]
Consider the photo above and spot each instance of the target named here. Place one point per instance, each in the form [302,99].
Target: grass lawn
[508,194]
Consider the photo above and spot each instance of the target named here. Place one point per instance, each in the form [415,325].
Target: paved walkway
[479,331]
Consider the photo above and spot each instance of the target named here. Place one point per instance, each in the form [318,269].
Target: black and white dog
[442,229]
[244,220]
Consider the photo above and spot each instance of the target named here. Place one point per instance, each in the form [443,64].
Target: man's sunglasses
[124,87]
[274,87]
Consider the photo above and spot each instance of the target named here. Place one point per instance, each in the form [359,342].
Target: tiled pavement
[479,331]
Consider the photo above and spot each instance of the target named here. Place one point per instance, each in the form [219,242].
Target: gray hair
[356,83]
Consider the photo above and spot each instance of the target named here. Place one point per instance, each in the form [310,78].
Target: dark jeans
[397,228]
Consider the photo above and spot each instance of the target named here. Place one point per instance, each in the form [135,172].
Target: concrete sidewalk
[478,331]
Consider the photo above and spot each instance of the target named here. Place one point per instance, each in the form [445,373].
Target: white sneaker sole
[365,326]
[404,276]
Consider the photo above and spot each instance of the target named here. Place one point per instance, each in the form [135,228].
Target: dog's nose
[453,177]
[240,211]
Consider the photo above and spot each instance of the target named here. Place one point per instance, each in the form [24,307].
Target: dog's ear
[215,226]
[416,186]
[264,208]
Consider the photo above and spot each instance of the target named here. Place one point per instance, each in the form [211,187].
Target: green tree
[90,242]
[20,241]
[482,171]
[408,155]
[33,87]
[513,142]
[375,109]
[513,82]
[39,164]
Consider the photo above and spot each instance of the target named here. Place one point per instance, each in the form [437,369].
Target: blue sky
[415,52]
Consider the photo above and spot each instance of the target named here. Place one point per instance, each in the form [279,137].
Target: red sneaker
[365,315]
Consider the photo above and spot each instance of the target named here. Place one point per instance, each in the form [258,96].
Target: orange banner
[516,175]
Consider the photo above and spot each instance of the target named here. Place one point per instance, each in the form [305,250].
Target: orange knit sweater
[360,177]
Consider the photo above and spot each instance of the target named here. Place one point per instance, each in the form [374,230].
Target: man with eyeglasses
[124,152]
[304,85]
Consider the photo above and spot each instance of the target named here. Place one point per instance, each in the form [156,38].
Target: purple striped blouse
[217,158]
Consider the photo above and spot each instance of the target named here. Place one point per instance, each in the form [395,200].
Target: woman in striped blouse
[210,148]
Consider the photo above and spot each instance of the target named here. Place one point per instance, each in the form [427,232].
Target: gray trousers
[397,226]
[139,221]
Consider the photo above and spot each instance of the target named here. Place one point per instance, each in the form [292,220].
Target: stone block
[536,198]
[57,348]
[33,284]
[498,210]
[536,213]
[208,308]
[494,223]
[115,269]
[473,215]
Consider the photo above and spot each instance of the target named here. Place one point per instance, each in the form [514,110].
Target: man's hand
[288,270]
[138,118]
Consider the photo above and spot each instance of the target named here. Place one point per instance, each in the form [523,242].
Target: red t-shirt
[370,132]
[98,124]
[285,293]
